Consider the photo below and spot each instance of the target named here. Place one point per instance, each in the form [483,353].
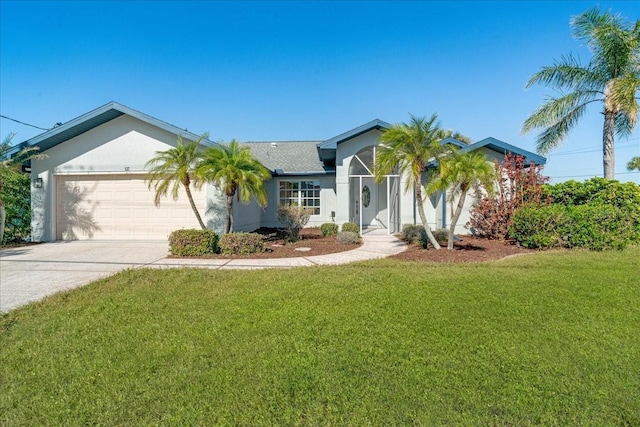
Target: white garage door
[119,207]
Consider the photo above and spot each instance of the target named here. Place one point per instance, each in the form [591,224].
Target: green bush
[192,242]
[352,227]
[594,226]
[441,235]
[598,226]
[329,229]
[347,238]
[294,218]
[596,190]
[241,243]
[16,194]
[539,227]
[414,234]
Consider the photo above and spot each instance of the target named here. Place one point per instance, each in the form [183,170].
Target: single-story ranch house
[91,184]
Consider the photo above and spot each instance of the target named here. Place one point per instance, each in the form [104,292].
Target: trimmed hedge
[192,242]
[539,227]
[593,226]
[241,243]
[329,229]
[352,227]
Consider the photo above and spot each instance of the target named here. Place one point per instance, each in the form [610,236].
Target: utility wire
[588,175]
[22,123]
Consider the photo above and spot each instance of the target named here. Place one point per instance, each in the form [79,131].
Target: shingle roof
[290,157]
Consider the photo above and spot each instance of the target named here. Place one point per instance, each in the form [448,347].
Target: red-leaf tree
[517,184]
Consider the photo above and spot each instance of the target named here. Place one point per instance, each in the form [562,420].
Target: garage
[118,207]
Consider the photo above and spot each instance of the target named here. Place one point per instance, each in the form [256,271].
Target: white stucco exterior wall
[269,215]
[122,145]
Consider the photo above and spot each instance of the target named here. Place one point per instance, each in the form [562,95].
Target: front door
[369,197]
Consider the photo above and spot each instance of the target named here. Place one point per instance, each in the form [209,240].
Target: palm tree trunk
[228,225]
[423,217]
[193,206]
[454,219]
[608,156]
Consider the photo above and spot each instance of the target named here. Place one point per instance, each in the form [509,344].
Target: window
[301,193]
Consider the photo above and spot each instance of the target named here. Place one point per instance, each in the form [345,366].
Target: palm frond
[567,73]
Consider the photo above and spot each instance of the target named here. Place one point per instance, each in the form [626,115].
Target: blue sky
[299,70]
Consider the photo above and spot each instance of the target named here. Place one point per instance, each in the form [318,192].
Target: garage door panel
[141,213]
[119,207]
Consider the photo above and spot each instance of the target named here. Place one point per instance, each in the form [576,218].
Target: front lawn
[545,339]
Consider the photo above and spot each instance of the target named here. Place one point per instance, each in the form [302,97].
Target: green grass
[549,339]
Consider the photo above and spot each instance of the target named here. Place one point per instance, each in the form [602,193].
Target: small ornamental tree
[294,218]
[517,184]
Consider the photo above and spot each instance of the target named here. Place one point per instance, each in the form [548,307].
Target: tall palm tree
[459,173]
[612,79]
[234,170]
[634,163]
[12,163]
[411,147]
[174,168]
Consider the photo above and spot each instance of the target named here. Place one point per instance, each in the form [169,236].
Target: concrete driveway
[30,273]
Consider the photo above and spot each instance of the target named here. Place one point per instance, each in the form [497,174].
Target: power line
[568,153]
[588,175]
[22,123]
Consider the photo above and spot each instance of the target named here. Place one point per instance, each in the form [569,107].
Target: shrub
[441,235]
[192,242]
[518,185]
[598,226]
[414,234]
[598,190]
[539,227]
[294,218]
[329,229]
[16,195]
[241,243]
[352,227]
[347,237]
[593,226]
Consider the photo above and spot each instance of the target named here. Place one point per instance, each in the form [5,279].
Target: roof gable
[504,148]
[333,142]
[98,117]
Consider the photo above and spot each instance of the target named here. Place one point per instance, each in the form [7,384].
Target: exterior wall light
[38,183]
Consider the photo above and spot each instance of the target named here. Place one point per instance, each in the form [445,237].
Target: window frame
[295,193]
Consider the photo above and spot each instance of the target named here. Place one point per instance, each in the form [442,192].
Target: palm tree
[174,168]
[234,170]
[458,173]
[612,79]
[634,163]
[411,147]
[12,163]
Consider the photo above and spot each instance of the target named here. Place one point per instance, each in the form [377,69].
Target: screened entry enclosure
[373,205]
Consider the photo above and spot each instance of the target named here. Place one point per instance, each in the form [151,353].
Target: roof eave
[75,126]
[504,147]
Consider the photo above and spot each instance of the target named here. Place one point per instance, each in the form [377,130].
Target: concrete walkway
[31,273]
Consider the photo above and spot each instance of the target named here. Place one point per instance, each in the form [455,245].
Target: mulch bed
[470,249]
[278,247]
